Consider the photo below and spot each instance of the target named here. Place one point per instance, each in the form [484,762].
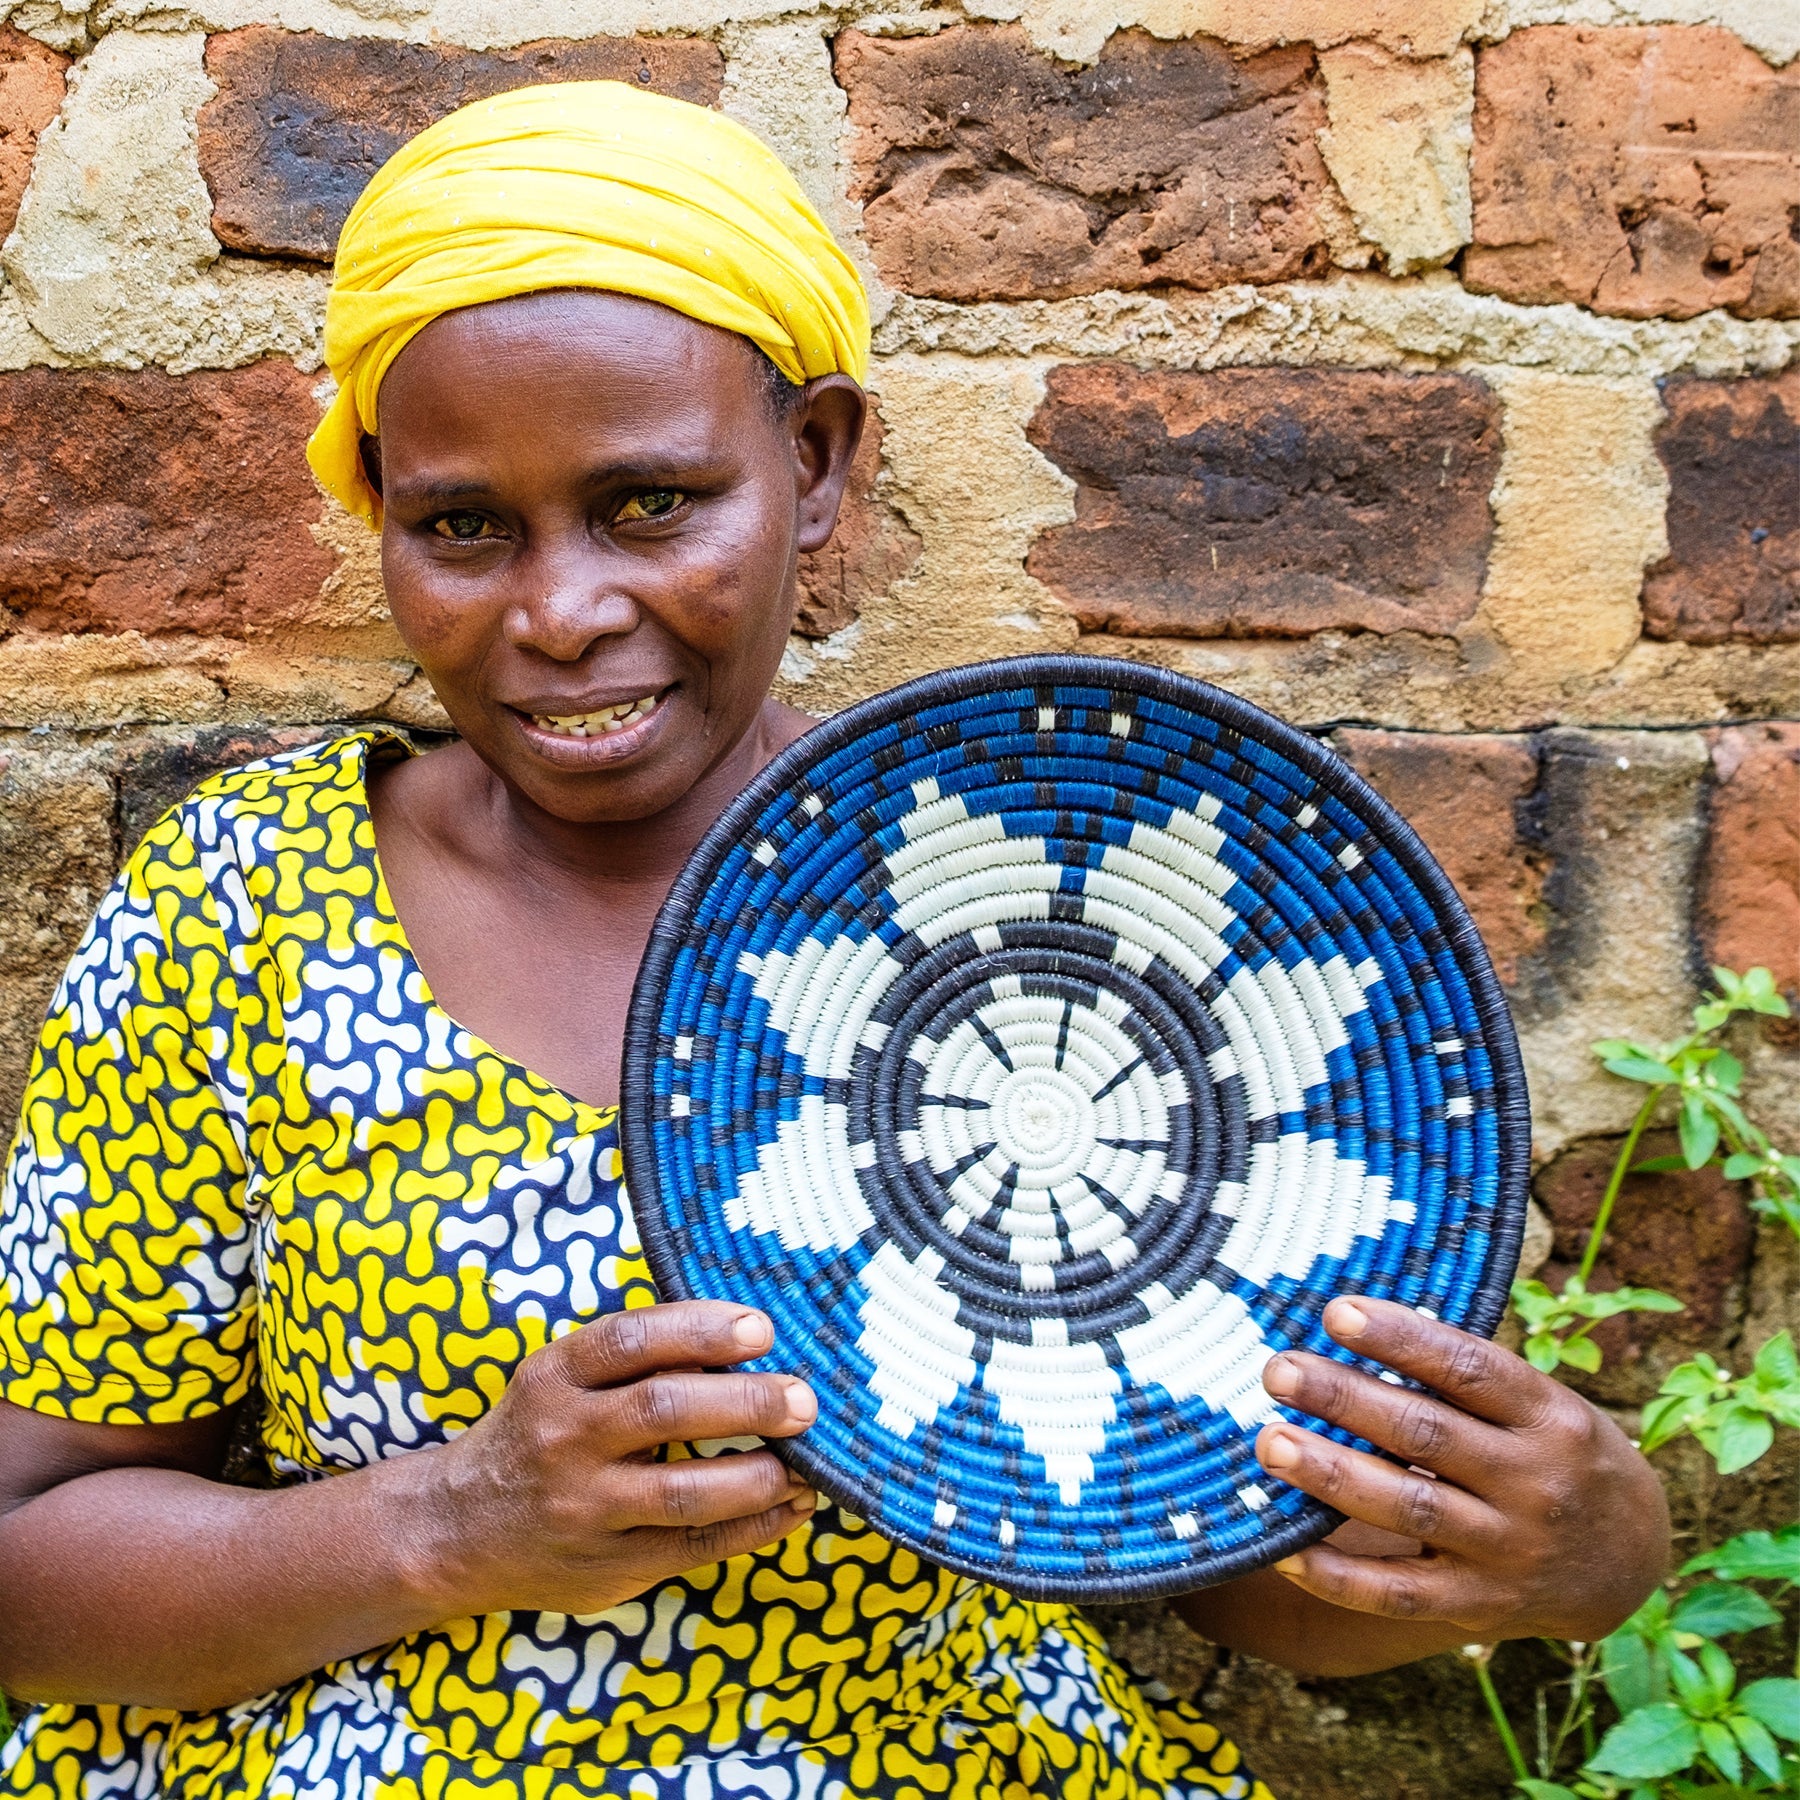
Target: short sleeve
[126,1293]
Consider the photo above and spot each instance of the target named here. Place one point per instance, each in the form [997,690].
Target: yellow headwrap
[587,184]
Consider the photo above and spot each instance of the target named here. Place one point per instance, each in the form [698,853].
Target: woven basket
[1041,1045]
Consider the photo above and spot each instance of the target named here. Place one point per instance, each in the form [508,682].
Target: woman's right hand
[554,1501]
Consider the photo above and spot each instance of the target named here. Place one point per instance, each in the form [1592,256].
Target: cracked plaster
[1354,321]
[1770,27]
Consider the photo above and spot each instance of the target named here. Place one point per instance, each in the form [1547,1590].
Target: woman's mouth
[603,722]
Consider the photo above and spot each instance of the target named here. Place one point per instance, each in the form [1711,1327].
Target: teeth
[597,724]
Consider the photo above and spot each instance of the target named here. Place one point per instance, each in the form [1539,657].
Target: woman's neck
[507,831]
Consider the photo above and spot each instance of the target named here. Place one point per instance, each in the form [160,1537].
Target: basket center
[1042,1119]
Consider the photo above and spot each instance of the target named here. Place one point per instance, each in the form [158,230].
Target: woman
[325,1106]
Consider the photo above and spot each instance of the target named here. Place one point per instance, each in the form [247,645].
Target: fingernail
[1281,1377]
[1279,1451]
[803,1502]
[752,1331]
[1347,1319]
[1289,1565]
[802,1407]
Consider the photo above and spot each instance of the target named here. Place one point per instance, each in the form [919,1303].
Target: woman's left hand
[1532,1512]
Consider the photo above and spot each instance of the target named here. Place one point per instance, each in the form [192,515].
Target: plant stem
[1502,1723]
[1621,1168]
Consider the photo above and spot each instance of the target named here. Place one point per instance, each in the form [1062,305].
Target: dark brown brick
[1687,1233]
[31,94]
[1643,172]
[989,171]
[872,548]
[56,859]
[301,122]
[1749,905]
[1732,450]
[152,502]
[1466,797]
[1268,502]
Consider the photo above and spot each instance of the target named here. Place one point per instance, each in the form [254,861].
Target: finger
[1364,1487]
[698,1545]
[1415,1427]
[624,1346]
[701,1490]
[680,1408]
[1400,1587]
[1467,1370]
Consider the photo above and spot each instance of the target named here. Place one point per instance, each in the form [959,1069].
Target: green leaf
[1758,1745]
[1718,1608]
[1775,1702]
[1545,1790]
[1628,1300]
[1634,1066]
[1756,989]
[1719,1670]
[1696,1379]
[1651,1742]
[1659,1165]
[1722,1749]
[1666,1419]
[1543,1352]
[1752,1556]
[1740,1437]
[1743,1165]
[1776,1363]
[1692,1688]
[1582,1353]
[1632,1671]
[1699,1131]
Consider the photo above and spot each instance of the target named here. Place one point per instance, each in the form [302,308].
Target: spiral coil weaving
[1041,1045]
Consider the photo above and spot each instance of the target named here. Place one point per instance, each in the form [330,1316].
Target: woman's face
[592,512]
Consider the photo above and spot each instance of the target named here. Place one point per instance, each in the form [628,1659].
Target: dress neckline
[587,1116]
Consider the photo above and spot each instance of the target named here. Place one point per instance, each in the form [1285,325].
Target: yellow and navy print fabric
[256,1155]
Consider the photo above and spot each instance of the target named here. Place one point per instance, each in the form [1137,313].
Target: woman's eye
[657,503]
[463,527]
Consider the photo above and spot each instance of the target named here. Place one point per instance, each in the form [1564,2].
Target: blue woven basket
[1041,1045]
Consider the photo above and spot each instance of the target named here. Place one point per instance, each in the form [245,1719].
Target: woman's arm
[1523,1511]
[132,1576]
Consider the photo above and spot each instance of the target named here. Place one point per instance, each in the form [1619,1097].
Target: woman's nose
[566,602]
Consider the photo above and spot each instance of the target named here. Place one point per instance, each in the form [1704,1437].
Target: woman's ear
[369,448]
[828,426]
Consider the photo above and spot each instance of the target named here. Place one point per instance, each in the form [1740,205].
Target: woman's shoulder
[268,800]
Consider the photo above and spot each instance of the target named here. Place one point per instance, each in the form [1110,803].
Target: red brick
[31,94]
[1749,909]
[155,502]
[872,548]
[1642,172]
[989,171]
[1465,797]
[301,122]
[1687,1233]
[1732,450]
[1268,502]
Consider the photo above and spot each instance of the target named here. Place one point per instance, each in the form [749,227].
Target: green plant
[1733,1417]
[1687,1724]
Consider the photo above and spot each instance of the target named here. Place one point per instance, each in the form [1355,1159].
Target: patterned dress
[254,1152]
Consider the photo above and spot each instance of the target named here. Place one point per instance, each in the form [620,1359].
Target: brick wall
[1425,372]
